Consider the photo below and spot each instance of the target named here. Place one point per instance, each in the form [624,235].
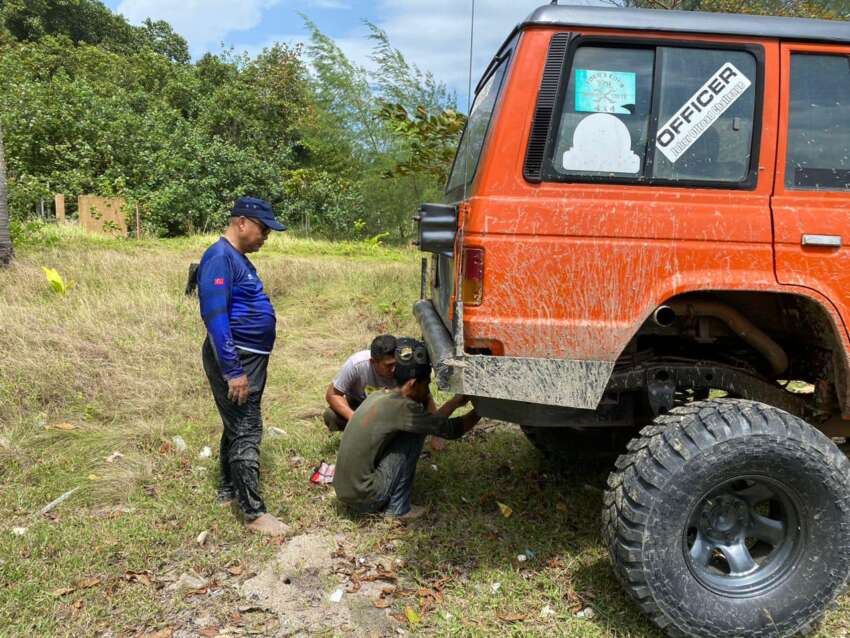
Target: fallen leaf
[63,590]
[381,603]
[77,605]
[162,633]
[236,617]
[114,457]
[236,570]
[93,477]
[62,426]
[441,582]
[88,583]
[504,509]
[412,617]
[355,585]
[209,632]
[138,577]
[512,617]
[388,590]
[202,537]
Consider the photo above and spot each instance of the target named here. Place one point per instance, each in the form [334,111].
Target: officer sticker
[702,110]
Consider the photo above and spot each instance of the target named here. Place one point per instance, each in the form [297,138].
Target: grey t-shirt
[357,378]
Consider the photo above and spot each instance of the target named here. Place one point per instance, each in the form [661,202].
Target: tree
[431,140]
[87,21]
[161,38]
[6,251]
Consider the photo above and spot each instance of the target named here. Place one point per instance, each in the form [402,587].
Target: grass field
[114,366]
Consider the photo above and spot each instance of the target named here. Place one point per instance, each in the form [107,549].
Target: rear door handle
[831,241]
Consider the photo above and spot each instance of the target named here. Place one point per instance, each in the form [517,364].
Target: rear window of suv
[656,114]
[472,142]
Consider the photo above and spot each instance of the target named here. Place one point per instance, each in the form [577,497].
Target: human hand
[238,389]
[461,400]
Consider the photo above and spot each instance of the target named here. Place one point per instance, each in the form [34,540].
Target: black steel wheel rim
[744,536]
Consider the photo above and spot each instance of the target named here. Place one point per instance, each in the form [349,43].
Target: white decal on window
[602,144]
[702,110]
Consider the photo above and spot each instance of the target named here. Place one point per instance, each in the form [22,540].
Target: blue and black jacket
[236,311]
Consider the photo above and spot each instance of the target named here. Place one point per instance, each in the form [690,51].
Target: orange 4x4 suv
[645,226]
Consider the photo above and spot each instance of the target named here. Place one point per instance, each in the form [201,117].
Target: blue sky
[434,34]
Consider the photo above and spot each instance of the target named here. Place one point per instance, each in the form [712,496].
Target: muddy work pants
[393,481]
[243,430]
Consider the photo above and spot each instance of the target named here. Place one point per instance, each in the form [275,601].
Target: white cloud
[434,34]
[204,23]
[330,4]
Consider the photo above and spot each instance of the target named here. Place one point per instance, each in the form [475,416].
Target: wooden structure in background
[59,207]
[104,215]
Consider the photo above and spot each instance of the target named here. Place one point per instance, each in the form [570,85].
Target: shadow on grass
[554,523]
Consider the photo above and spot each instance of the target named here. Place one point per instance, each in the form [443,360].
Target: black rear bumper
[437,339]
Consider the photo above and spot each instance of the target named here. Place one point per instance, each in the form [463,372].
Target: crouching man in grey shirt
[363,373]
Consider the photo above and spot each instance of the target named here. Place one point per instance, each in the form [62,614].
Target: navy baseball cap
[258,209]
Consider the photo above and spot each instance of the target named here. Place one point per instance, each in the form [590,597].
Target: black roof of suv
[692,22]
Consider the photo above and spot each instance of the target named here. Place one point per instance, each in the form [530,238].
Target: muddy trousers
[394,476]
[239,455]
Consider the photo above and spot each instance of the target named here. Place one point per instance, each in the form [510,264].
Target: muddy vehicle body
[642,242]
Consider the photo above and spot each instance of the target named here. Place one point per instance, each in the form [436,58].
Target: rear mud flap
[561,382]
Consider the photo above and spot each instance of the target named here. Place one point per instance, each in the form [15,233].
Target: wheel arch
[819,321]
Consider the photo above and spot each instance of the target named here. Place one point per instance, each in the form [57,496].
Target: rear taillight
[473,276]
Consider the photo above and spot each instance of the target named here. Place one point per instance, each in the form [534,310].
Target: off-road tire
[663,482]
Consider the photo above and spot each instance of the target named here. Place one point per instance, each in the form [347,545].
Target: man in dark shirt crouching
[381,444]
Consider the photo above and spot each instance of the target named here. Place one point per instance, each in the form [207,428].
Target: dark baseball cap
[258,209]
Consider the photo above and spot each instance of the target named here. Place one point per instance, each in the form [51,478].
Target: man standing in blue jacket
[240,325]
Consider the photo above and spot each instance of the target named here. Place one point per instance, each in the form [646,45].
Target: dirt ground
[316,585]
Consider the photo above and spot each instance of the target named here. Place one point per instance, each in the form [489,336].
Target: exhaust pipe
[666,315]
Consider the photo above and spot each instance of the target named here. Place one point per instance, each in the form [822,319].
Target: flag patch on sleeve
[219,281]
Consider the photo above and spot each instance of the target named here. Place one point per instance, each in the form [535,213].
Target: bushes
[92,105]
